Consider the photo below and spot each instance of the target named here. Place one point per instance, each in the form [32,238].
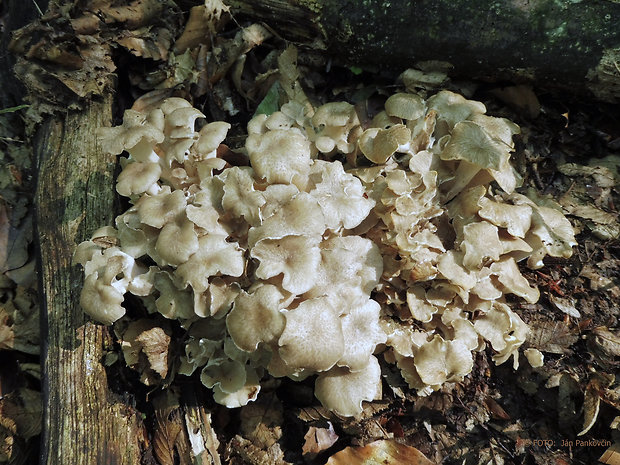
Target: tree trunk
[568,44]
[85,423]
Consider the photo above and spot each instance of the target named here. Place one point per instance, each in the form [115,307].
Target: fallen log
[572,45]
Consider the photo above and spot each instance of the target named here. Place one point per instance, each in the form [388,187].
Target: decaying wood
[85,422]
[567,44]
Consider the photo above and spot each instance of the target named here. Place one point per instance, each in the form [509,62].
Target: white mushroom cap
[312,338]
[173,303]
[513,281]
[343,392]
[138,178]
[302,215]
[101,301]
[405,106]
[339,194]
[240,196]
[439,361]
[453,108]
[256,317]
[176,242]
[215,256]
[480,243]
[134,131]
[295,257]
[516,219]
[247,393]
[362,334]
[209,139]
[157,210]
[228,375]
[280,156]
[378,145]
[180,122]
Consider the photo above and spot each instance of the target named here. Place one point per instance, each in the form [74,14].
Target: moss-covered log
[570,44]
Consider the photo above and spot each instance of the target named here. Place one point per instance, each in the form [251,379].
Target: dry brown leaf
[24,408]
[604,345]
[554,337]
[521,98]
[203,23]
[592,399]
[612,455]
[254,455]
[168,427]
[382,452]
[318,440]
[261,422]
[146,344]
[6,330]
[147,43]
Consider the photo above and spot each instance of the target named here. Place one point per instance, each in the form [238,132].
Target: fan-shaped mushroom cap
[480,243]
[378,145]
[343,392]
[256,317]
[176,242]
[516,219]
[215,256]
[302,215]
[295,257]
[405,106]
[101,301]
[136,135]
[453,108]
[280,156]
[228,375]
[312,337]
[173,303]
[240,196]
[138,178]
[209,139]
[362,334]
[339,194]
[439,361]
[180,122]
[157,210]
[510,277]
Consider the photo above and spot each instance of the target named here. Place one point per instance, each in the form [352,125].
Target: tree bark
[568,44]
[85,423]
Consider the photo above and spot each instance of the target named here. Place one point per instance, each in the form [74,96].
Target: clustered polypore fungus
[295,266]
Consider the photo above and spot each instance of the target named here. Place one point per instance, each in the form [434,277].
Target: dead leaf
[521,97]
[203,23]
[168,427]
[604,345]
[6,330]
[318,440]
[253,455]
[147,42]
[554,337]
[146,344]
[612,455]
[261,421]
[565,305]
[24,407]
[382,452]
[592,399]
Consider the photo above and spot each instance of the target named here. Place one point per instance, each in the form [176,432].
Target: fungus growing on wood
[302,265]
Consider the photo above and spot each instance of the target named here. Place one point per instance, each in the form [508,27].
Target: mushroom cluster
[295,266]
